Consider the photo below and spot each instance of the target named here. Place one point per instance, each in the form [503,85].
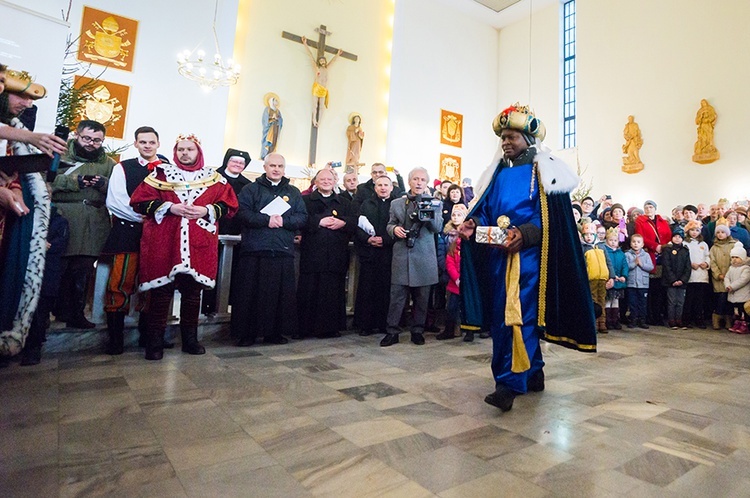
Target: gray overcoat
[416,266]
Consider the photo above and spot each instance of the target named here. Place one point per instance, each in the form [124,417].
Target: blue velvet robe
[569,316]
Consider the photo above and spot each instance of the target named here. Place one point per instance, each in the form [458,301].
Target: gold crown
[521,118]
[22,82]
[188,136]
[613,231]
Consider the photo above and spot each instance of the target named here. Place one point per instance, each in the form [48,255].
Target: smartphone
[89,178]
[609,197]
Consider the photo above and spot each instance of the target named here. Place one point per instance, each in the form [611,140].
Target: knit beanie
[721,226]
[738,251]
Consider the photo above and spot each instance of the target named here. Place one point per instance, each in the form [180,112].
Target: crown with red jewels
[188,136]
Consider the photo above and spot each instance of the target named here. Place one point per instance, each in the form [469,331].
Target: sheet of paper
[277,206]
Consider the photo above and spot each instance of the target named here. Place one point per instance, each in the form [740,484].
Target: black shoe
[246,342]
[330,335]
[484,335]
[190,344]
[536,382]
[445,334]
[417,339]
[365,333]
[298,337]
[502,398]
[115,327]
[700,325]
[154,354]
[643,325]
[31,356]
[79,322]
[276,340]
[389,340]
[469,337]
[431,328]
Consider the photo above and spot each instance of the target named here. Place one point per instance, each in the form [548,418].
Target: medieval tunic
[324,260]
[172,244]
[568,318]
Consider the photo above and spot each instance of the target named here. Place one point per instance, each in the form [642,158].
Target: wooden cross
[322,48]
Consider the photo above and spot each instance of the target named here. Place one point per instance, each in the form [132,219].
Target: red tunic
[173,244]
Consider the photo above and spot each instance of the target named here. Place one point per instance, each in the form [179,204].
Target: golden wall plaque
[451,128]
[107,39]
[106,102]
[450,168]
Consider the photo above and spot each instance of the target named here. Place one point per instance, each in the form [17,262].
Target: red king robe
[173,244]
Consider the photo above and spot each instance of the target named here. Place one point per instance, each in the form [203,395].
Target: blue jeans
[637,299]
[675,301]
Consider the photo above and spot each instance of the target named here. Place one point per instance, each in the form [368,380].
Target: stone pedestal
[632,168]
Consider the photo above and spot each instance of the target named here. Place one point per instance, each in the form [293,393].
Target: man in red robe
[182,204]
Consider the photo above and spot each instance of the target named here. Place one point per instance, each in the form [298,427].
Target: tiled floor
[655,413]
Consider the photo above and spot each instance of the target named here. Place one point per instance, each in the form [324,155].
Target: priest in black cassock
[375,251]
[324,260]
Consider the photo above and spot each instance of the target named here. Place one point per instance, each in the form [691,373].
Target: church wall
[656,61]
[538,60]
[274,64]
[441,59]
[159,96]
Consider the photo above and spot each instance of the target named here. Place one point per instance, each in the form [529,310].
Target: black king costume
[542,290]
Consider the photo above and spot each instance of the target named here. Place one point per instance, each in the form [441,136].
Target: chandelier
[209,74]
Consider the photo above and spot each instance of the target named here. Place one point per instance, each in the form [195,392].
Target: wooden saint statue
[355,136]
[705,151]
[631,162]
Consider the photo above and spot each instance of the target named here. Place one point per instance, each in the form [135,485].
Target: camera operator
[414,220]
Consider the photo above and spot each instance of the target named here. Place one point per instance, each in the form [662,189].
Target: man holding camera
[414,219]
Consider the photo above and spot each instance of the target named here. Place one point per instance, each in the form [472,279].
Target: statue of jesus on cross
[320,85]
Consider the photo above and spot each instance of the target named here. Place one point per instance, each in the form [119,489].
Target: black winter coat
[675,261]
[323,249]
[256,236]
[377,211]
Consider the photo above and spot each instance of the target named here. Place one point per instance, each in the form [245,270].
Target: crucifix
[320,90]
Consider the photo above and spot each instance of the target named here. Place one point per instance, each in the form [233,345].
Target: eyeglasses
[87,139]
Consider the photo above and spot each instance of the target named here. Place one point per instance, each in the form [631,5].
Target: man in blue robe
[533,285]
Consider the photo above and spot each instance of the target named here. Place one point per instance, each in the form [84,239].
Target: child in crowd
[639,268]
[616,291]
[720,260]
[599,270]
[737,284]
[453,270]
[675,260]
[698,293]
[601,233]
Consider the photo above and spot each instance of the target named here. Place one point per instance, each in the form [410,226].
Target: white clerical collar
[275,184]
[325,195]
[230,175]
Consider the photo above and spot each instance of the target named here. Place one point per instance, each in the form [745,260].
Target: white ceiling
[500,19]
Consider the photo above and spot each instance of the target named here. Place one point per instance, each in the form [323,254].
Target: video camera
[426,209]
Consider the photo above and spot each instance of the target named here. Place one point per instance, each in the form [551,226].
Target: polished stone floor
[657,413]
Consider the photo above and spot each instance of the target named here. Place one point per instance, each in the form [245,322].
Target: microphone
[61,131]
